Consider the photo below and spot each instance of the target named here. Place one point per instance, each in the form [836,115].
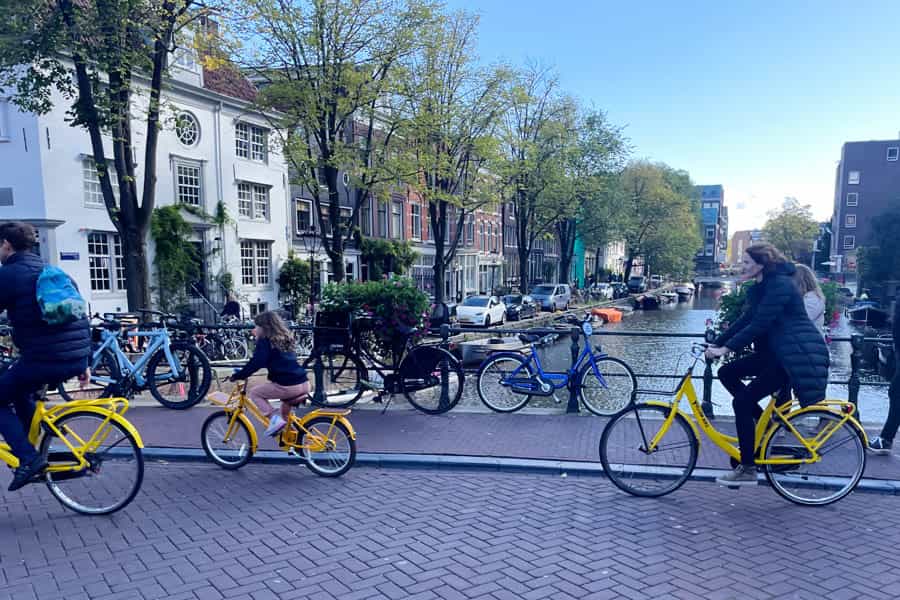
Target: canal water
[670,356]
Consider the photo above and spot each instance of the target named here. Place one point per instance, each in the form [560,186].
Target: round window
[187,129]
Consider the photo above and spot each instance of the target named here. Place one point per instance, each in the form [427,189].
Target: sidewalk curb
[389,460]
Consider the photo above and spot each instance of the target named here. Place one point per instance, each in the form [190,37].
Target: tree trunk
[137,281]
[566,232]
[628,262]
[334,247]
[523,269]
[437,234]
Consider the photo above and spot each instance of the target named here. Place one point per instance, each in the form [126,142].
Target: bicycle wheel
[432,379]
[626,461]
[341,377]
[235,349]
[327,446]
[184,385]
[228,451]
[303,342]
[611,392]
[115,468]
[493,387]
[105,376]
[211,347]
[840,467]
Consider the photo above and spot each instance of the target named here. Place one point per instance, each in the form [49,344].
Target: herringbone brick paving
[200,533]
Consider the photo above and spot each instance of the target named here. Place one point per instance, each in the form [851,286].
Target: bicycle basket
[331,329]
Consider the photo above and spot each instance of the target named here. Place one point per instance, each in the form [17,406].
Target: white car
[481,310]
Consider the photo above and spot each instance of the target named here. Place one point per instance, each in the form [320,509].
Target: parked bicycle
[221,344]
[177,373]
[324,439]
[508,380]
[813,455]
[352,362]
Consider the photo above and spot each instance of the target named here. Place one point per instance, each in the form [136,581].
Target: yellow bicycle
[812,456]
[96,465]
[324,439]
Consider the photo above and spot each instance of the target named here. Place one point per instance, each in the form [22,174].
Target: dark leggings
[893,419]
[768,378]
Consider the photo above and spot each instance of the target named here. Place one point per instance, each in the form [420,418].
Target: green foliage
[177,263]
[226,280]
[385,256]
[792,229]
[396,305]
[830,290]
[732,306]
[880,261]
[294,281]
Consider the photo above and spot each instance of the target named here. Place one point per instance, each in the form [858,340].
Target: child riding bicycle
[287,380]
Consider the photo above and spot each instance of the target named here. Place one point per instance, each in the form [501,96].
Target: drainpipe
[220,193]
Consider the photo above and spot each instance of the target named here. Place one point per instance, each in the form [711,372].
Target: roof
[228,81]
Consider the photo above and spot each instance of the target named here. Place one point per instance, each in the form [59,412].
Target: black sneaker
[880,446]
[26,473]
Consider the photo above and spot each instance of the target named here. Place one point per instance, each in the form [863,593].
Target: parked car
[550,296]
[602,291]
[620,290]
[637,284]
[656,281]
[520,307]
[481,310]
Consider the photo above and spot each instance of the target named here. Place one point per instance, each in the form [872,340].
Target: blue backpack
[58,297]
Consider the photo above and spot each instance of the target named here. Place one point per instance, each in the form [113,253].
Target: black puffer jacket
[778,318]
[37,341]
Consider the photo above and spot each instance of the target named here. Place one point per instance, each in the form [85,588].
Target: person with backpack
[51,332]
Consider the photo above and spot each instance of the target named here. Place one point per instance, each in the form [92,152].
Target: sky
[756,96]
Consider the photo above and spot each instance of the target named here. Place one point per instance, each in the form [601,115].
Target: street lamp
[311,244]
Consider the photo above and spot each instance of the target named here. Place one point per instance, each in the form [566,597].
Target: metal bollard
[856,343]
[572,407]
[319,376]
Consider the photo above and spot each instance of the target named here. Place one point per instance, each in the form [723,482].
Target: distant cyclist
[48,354]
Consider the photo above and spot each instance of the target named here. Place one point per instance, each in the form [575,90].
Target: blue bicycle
[176,372]
[604,385]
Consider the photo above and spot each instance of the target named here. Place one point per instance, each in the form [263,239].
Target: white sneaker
[276,424]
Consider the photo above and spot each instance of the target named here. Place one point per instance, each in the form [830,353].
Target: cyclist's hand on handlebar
[714,352]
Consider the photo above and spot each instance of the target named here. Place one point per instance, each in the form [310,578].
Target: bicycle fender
[119,419]
[506,353]
[680,412]
[254,439]
[824,407]
[337,415]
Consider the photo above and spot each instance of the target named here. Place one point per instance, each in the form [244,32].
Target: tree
[328,67]
[595,155]
[655,217]
[98,53]
[453,108]
[792,229]
[387,256]
[294,281]
[535,131]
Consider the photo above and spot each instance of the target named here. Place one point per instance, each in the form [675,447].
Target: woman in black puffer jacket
[789,349]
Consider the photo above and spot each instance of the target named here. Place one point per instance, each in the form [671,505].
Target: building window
[482,233]
[250,142]
[893,153]
[365,217]
[853,178]
[93,195]
[188,184]
[396,220]
[710,233]
[849,242]
[4,120]
[470,230]
[382,220]
[415,215]
[850,221]
[256,262]
[187,129]
[258,308]
[852,199]
[105,262]
[253,201]
[304,216]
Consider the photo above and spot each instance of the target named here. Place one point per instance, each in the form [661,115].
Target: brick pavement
[197,532]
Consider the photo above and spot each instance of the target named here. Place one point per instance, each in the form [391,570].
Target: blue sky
[757,96]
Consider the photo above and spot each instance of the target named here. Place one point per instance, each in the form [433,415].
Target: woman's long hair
[807,282]
[275,330]
[767,255]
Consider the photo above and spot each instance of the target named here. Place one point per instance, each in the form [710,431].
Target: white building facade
[213,150]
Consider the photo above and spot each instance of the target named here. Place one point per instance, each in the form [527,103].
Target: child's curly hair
[275,330]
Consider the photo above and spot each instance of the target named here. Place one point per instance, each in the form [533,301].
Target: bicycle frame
[159,339]
[560,379]
[238,405]
[112,408]
[765,427]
